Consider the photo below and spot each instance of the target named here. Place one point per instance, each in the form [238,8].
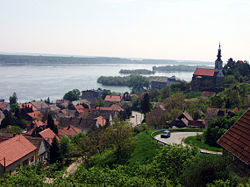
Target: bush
[205,169]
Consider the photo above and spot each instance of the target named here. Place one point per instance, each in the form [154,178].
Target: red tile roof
[3,105]
[69,131]
[35,115]
[14,149]
[101,121]
[48,135]
[113,98]
[112,107]
[82,111]
[204,72]
[237,139]
[38,123]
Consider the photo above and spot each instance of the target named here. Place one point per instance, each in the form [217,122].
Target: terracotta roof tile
[48,135]
[237,139]
[113,98]
[69,131]
[3,105]
[14,149]
[204,72]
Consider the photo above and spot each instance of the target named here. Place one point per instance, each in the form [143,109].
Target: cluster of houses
[32,146]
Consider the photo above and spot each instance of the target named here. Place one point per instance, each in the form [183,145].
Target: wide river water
[34,82]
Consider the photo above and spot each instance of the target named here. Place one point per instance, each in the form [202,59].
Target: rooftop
[14,149]
[48,135]
[204,72]
[237,139]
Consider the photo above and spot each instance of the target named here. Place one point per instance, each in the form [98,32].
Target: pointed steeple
[219,53]
[219,64]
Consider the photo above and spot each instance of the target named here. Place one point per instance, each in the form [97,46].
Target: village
[29,131]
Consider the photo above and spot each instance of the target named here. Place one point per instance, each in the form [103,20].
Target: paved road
[178,137]
[136,118]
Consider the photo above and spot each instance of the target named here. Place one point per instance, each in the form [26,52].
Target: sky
[160,29]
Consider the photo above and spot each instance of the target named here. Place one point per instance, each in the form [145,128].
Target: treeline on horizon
[29,59]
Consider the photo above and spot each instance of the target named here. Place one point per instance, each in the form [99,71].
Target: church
[205,79]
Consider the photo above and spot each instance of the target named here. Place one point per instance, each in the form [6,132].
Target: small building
[41,106]
[213,113]
[92,96]
[236,143]
[42,150]
[182,120]
[113,107]
[69,131]
[48,135]
[15,153]
[4,106]
[112,99]
[161,83]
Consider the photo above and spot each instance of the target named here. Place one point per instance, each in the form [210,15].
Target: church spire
[219,53]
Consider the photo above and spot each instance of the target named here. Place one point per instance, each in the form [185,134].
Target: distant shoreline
[62,60]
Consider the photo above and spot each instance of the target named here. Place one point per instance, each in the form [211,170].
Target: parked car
[165,134]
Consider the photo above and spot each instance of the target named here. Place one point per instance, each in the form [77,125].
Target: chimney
[68,127]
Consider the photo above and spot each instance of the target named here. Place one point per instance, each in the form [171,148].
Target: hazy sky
[167,29]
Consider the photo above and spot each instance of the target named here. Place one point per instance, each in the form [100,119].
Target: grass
[145,148]
[193,140]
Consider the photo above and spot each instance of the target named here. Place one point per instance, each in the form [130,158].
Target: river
[34,82]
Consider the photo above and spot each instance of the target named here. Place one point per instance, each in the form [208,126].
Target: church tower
[218,65]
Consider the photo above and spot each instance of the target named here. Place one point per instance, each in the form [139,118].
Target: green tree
[119,136]
[72,95]
[205,169]
[65,147]
[51,124]
[54,153]
[145,103]
[171,161]
[13,99]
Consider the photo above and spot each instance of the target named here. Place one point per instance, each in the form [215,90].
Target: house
[15,153]
[196,124]
[213,113]
[108,115]
[42,150]
[62,103]
[4,106]
[81,111]
[236,143]
[69,131]
[84,124]
[113,107]
[28,106]
[34,115]
[112,99]
[66,113]
[209,79]
[156,117]
[48,135]
[92,96]
[160,83]
[41,106]
[182,120]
